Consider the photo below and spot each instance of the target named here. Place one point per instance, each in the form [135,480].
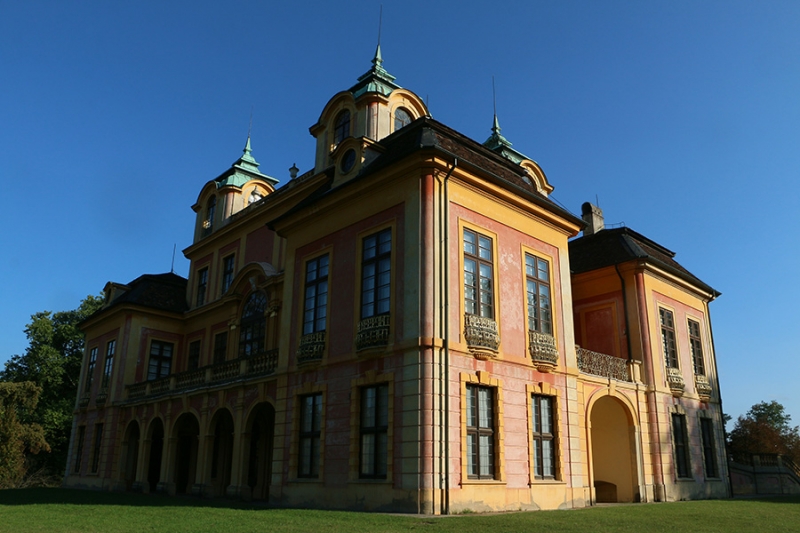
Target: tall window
[478,275]
[480,432]
[109,365]
[374,431]
[193,361]
[376,274]
[668,338]
[202,285]
[252,327]
[90,369]
[310,424]
[208,223]
[401,118]
[709,447]
[160,360]
[220,347]
[696,345]
[342,128]
[537,276]
[79,448]
[98,440]
[681,441]
[228,265]
[544,437]
[315,307]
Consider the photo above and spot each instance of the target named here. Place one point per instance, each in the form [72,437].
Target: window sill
[482,482]
[539,482]
[306,480]
[369,481]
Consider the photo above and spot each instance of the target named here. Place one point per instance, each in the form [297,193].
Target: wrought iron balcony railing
[482,336]
[312,346]
[261,364]
[543,351]
[600,364]
[373,332]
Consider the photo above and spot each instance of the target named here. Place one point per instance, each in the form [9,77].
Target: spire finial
[496,123]
[249,129]
[378,59]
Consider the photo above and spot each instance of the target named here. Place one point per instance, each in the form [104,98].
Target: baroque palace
[412,325]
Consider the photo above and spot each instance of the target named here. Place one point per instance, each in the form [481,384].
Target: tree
[52,362]
[766,428]
[18,439]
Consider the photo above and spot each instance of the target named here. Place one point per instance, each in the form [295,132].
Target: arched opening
[187,431]
[130,454]
[613,452]
[402,118]
[341,127]
[156,452]
[222,451]
[258,441]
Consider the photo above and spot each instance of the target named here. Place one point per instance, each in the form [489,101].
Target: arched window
[252,326]
[342,128]
[208,223]
[401,118]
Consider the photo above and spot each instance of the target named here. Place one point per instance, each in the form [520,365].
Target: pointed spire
[247,160]
[496,139]
[377,61]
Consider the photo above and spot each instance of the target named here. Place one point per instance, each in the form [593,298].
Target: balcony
[675,381]
[243,368]
[542,348]
[102,396]
[373,332]
[703,387]
[482,337]
[604,365]
[312,346]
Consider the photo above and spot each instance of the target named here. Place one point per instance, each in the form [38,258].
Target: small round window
[348,161]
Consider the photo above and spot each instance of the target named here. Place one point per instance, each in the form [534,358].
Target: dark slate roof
[166,292]
[610,247]
[425,133]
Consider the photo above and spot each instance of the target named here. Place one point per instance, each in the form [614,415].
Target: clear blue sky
[681,117]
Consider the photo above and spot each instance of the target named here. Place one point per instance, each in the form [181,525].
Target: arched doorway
[186,432]
[613,435]
[130,454]
[222,451]
[260,432]
[156,451]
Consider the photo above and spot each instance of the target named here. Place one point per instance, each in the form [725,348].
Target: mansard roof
[609,247]
[166,292]
[426,133]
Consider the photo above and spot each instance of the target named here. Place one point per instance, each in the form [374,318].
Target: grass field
[60,510]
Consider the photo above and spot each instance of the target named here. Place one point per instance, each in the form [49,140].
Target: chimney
[593,216]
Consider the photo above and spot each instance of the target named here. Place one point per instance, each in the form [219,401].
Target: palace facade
[411,325]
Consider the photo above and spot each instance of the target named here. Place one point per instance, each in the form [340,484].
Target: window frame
[220,348]
[79,449]
[228,271]
[475,432]
[96,447]
[253,325]
[341,126]
[669,344]
[202,286]
[318,321]
[680,442]
[538,453]
[162,361]
[409,118]
[379,451]
[312,435]
[696,347]
[90,366]
[108,365]
[709,443]
[477,274]
[536,322]
[193,355]
[380,305]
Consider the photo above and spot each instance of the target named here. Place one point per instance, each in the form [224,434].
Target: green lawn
[60,510]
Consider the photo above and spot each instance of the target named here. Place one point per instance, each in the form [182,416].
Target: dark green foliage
[765,429]
[52,361]
[17,438]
